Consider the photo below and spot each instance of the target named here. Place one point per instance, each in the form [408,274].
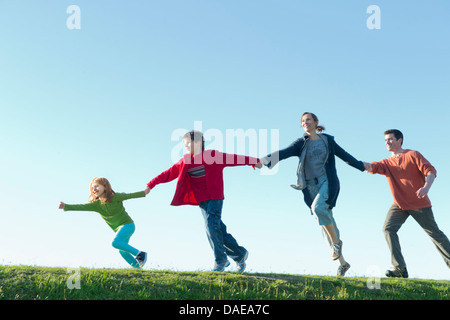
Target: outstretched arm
[380,167]
[126,196]
[166,176]
[292,150]
[348,158]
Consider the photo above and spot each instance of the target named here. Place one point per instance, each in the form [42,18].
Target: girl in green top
[110,207]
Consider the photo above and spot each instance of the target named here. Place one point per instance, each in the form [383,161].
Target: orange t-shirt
[406,174]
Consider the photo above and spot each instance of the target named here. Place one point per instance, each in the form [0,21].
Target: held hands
[367,166]
[258,165]
[147,190]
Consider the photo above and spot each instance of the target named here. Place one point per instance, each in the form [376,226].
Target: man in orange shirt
[410,177]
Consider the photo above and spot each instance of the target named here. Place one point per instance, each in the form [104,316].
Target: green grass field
[40,283]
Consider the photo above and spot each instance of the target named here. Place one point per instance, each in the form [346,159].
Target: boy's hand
[61,205]
[147,190]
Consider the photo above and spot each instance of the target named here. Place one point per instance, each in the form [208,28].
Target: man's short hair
[397,133]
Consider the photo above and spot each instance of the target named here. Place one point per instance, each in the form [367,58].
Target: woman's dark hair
[319,128]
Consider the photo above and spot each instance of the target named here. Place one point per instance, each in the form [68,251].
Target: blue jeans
[120,242]
[318,189]
[222,243]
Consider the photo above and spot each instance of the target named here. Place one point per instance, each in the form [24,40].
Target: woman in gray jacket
[317,177]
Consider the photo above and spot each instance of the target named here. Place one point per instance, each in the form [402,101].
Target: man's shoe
[241,263]
[397,272]
[343,269]
[141,258]
[221,266]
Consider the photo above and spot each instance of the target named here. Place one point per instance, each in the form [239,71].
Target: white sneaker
[221,266]
[141,258]
[241,263]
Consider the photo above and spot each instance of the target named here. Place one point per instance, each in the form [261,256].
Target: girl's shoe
[221,266]
[343,269]
[141,258]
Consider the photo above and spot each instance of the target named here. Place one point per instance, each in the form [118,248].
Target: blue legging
[120,242]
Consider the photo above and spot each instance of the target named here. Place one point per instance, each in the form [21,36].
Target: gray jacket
[298,148]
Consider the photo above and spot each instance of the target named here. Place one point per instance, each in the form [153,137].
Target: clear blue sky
[104,100]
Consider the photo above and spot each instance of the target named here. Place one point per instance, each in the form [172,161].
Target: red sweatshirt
[406,174]
[214,162]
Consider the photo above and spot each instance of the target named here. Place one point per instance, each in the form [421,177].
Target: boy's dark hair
[195,135]
[397,133]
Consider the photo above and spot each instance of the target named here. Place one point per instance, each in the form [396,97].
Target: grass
[42,283]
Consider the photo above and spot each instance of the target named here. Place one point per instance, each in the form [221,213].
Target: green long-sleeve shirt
[113,213]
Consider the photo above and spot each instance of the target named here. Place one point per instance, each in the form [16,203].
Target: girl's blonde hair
[319,128]
[109,192]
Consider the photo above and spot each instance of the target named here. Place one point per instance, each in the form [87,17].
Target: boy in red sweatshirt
[200,182]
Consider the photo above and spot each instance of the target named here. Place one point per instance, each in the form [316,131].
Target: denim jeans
[120,242]
[222,243]
[318,190]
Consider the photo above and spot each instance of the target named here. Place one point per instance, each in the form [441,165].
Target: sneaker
[221,266]
[343,269]
[337,250]
[241,263]
[397,272]
[141,258]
